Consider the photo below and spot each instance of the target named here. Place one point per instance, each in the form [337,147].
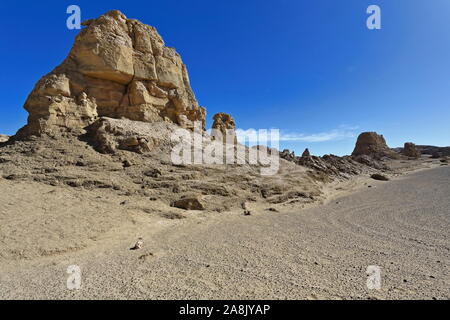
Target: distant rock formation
[117,68]
[410,150]
[225,126]
[306,153]
[3,138]
[434,151]
[287,155]
[373,145]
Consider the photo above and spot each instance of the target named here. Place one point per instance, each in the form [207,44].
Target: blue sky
[310,68]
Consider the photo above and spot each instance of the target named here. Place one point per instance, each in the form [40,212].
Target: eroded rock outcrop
[117,68]
[110,135]
[3,138]
[287,155]
[306,153]
[373,145]
[410,150]
[224,128]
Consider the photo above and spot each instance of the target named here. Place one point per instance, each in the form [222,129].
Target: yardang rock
[118,67]
[374,145]
[410,150]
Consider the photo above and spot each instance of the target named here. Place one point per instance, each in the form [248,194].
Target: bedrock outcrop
[117,68]
[224,128]
[410,150]
[374,145]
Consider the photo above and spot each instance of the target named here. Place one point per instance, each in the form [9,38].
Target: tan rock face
[118,67]
[224,127]
[374,145]
[410,150]
[110,135]
[3,138]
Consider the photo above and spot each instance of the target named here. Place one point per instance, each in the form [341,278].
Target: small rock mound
[379,177]
[373,145]
[189,203]
[410,150]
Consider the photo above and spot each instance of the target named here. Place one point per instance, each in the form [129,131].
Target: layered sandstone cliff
[117,68]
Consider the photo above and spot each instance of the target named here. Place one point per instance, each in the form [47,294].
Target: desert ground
[320,252]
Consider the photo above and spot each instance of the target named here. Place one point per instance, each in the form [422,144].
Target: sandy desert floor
[321,252]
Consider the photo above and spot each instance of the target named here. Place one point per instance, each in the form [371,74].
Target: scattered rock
[247,213]
[139,244]
[80,164]
[127,164]
[153,173]
[379,177]
[192,203]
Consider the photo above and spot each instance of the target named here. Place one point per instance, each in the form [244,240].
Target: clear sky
[310,68]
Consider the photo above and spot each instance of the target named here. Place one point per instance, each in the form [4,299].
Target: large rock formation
[118,67]
[373,145]
[3,138]
[410,150]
